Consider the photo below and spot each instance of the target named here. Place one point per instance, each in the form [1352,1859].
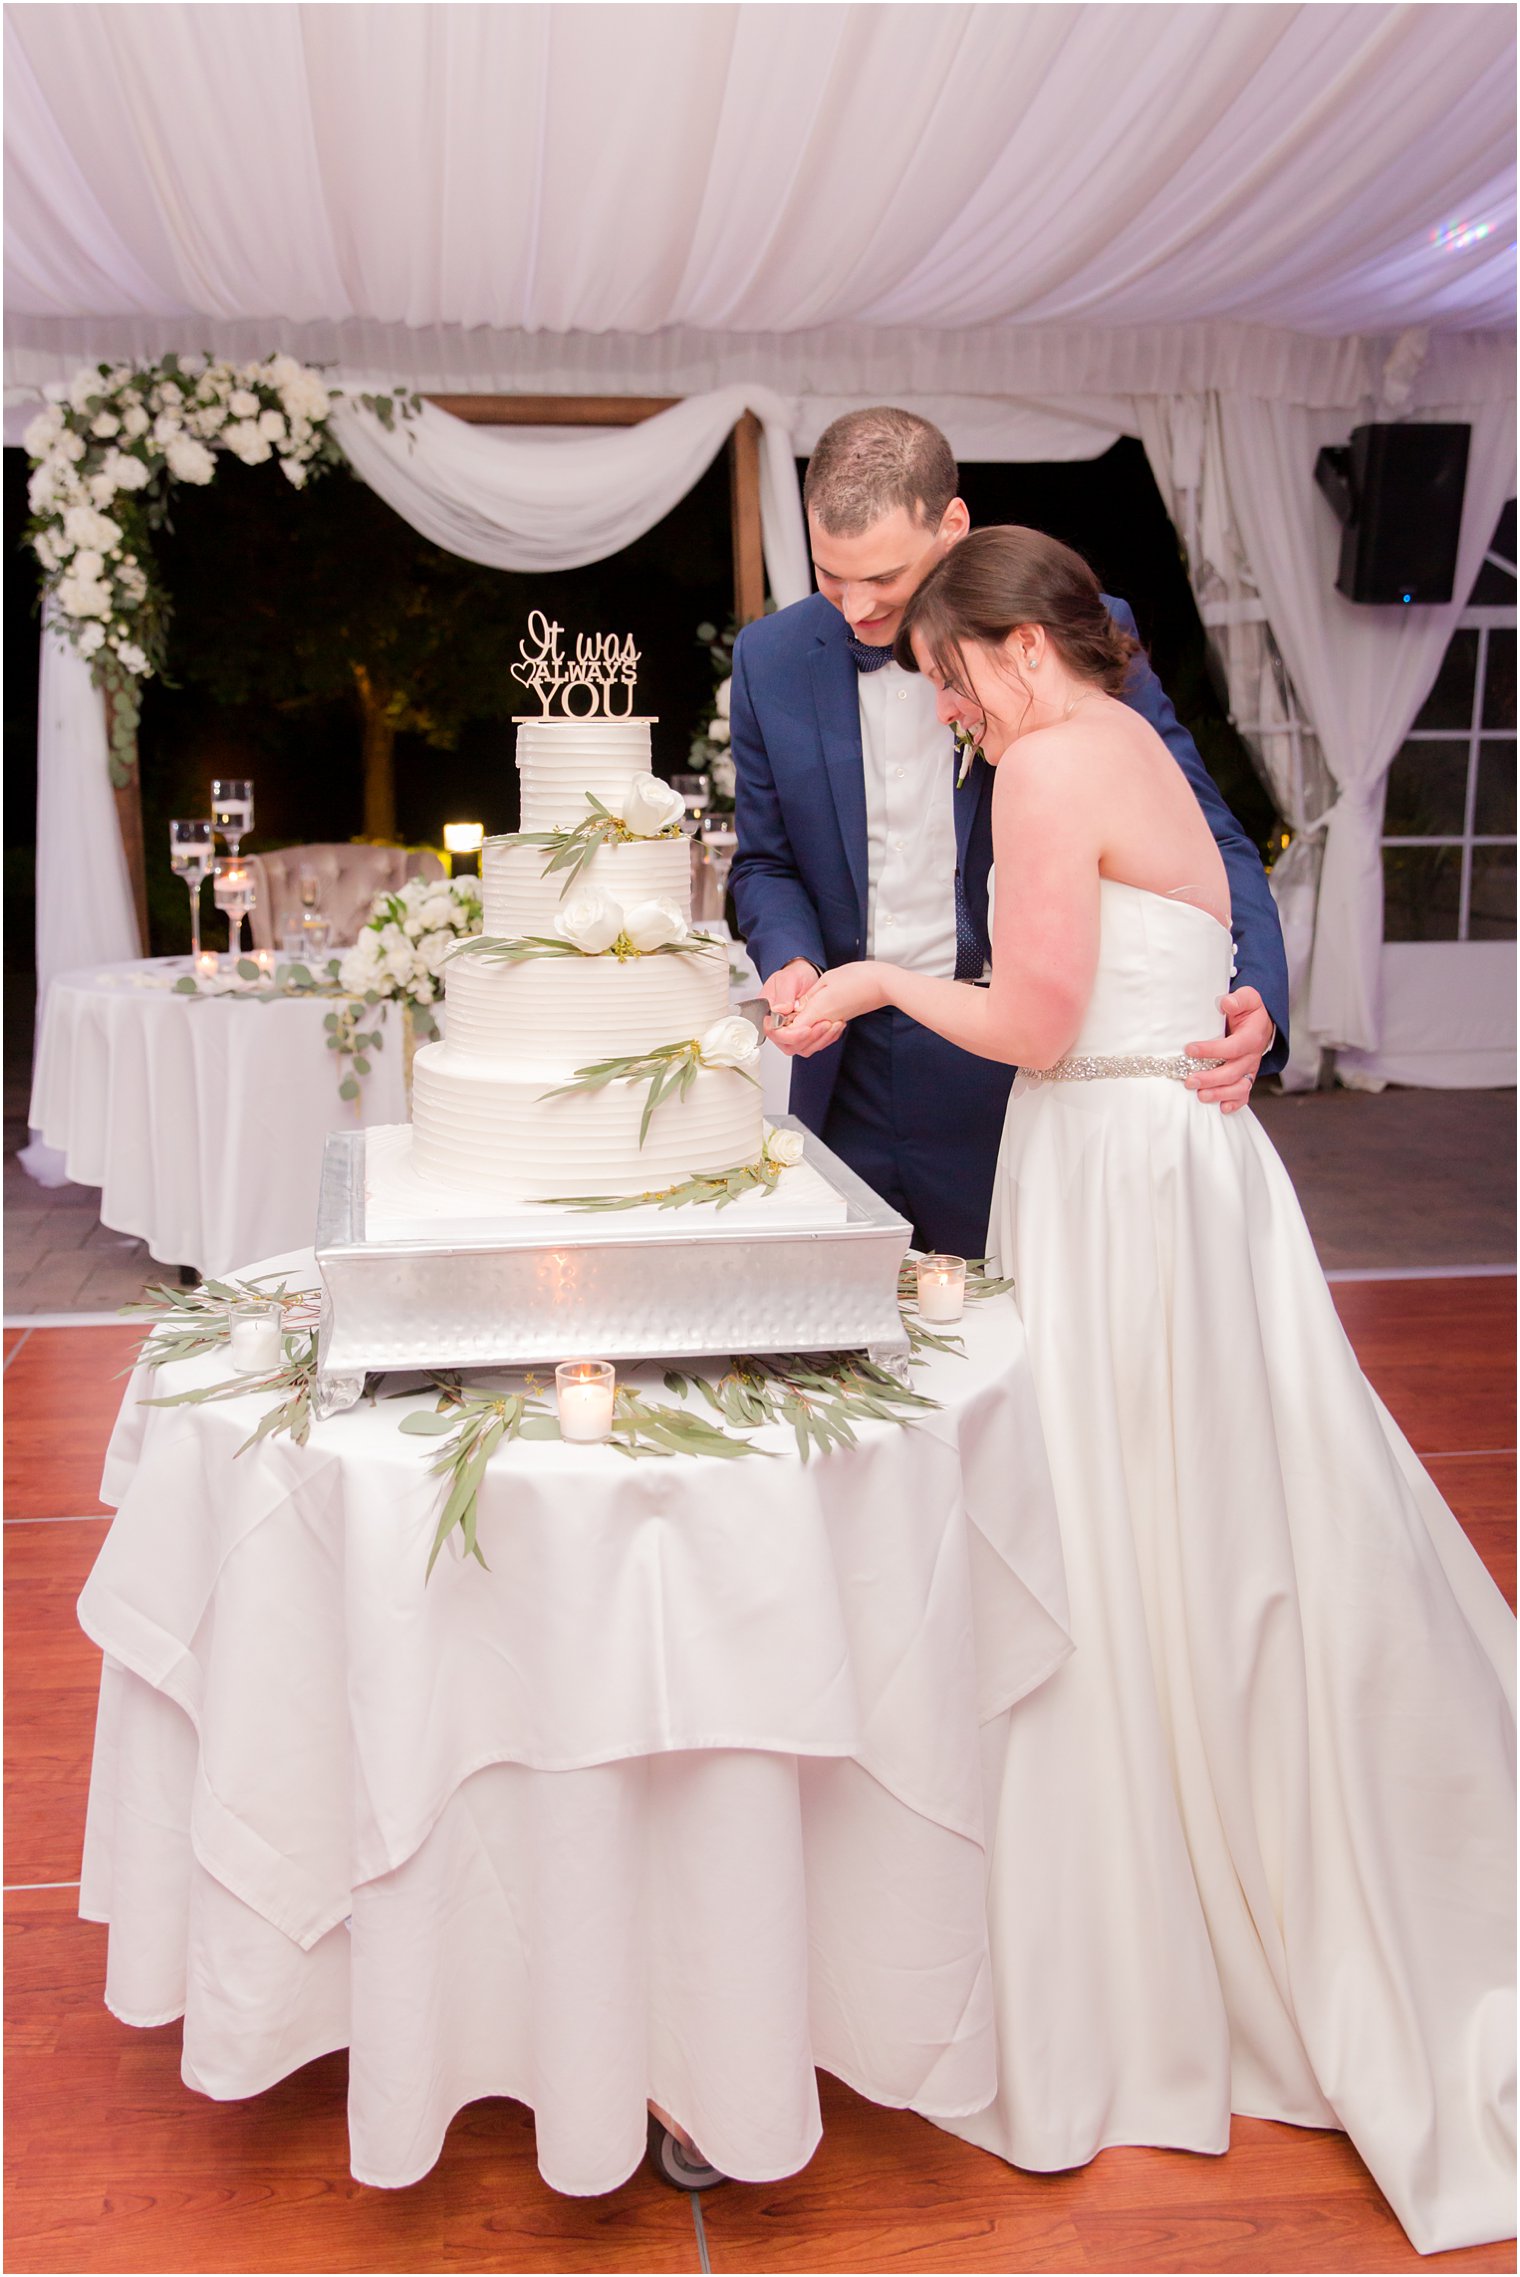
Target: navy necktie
[970,948]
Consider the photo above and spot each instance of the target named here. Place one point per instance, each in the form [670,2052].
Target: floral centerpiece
[403,945]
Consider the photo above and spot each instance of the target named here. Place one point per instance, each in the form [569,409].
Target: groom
[855,842]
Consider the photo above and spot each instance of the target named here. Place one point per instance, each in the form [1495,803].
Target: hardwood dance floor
[112,2164]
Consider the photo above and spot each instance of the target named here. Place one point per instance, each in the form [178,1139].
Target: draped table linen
[202,1121]
[678,1797]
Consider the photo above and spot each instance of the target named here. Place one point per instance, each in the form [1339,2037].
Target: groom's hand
[1240,1051]
[799,1039]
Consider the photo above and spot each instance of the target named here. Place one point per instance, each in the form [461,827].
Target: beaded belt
[1080,1069]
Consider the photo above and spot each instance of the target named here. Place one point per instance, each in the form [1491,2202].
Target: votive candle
[941,1288]
[254,1339]
[206,964]
[264,959]
[583,1392]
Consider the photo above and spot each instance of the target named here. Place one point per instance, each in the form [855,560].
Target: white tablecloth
[202,1120]
[678,1799]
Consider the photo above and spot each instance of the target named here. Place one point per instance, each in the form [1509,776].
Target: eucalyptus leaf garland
[821,1398]
[494,949]
[669,1070]
[343,1032]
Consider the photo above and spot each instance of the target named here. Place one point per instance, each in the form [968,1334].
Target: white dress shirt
[909,758]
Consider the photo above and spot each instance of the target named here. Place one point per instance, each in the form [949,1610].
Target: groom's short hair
[869,462]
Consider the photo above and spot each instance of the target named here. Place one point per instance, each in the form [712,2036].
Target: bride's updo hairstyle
[997,579]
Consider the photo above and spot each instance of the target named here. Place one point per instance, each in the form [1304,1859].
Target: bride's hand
[845,992]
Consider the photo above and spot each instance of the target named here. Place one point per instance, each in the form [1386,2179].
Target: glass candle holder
[941,1288]
[461,839]
[234,892]
[583,1393]
[192,850]
[232,809]
[255,1336]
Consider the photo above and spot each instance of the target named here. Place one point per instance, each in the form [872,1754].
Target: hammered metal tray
[692,1285]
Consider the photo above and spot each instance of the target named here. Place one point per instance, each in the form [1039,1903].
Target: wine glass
[310,888]
[720,843]
[192,849]
[696,791]
[232,809]
[234,893]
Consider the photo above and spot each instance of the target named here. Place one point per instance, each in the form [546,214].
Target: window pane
[1450,702]
[1491,913]
[1427,792]
[1499,681]
[1494,815]
[1421,892]
[1497,586]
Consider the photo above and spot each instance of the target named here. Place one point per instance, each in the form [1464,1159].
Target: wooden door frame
[632,411]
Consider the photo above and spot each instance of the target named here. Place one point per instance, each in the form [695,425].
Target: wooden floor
[112,2164]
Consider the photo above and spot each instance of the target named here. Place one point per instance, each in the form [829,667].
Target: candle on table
[941,1288]
[464,838]
[255,1339]
[583,1391]
[206,964]
[264,959]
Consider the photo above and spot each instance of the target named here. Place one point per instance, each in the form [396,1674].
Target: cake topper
[579,686]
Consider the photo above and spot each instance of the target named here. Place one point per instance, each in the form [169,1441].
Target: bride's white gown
[1255,1840]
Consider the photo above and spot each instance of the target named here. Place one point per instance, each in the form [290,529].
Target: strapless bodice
[1162,968]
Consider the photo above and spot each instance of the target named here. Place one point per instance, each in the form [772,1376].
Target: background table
[678,1799]
[203,1121]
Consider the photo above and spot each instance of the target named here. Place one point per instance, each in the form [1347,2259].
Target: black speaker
[1397,492]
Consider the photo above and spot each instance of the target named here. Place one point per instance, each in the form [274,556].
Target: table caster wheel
[674,2164]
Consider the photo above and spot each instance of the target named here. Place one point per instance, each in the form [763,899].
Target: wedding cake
[590,1051]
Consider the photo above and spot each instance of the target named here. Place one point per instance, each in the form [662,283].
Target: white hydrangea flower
[272,424]
[243,404]
[131,581]
[724,775]
[84,527]
[589,920]
[189,461]
[126,471]
[434,947]
[45,546]
[43,432]
[90,638]
[718,732]
[724,697]
[294,473]
[105,425]
[135,421]
[243,439]
[88,563]
[83,597]
[72,447]
[132,657]
[730,1042]
[360,967]
[82,386]
[171,393]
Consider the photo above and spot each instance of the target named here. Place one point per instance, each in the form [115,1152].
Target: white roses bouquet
[710,752]
[405,942]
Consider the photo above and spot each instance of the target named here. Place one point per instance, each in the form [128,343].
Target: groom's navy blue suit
[918,1118]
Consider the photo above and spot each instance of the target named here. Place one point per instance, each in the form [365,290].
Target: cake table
[677,1800]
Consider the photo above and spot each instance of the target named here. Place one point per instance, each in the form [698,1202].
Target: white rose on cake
[784,1147]
[589,921]
[729,1043]
[654,924]
[650,806]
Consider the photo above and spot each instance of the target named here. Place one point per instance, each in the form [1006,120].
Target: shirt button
[902,695]
[899,772]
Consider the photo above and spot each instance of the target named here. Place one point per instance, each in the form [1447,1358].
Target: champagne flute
[192,849]
[696,792]
[232,809]
[234,893]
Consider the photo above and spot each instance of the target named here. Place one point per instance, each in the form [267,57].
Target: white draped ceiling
[760,168]
[1043,225]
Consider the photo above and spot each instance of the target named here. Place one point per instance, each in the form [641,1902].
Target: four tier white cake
[580,965]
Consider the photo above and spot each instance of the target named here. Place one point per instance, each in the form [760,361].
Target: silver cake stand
[695,1283]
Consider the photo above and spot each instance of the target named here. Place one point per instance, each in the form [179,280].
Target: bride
[1253,1845]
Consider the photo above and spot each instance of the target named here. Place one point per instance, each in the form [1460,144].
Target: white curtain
[519,501]
[1184,445]
[1362,672]
[85,911]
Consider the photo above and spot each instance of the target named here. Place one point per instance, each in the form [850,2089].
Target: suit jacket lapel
[836,700]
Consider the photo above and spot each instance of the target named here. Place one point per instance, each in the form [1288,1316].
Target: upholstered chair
[348,879]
